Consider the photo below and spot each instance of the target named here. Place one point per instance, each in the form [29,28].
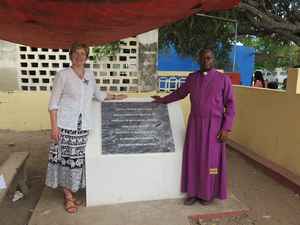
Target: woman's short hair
[78,45]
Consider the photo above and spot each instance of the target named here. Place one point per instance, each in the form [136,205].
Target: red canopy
[57,23]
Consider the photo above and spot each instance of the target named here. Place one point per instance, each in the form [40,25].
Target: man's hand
[55,133]
[223,135]
[157,99]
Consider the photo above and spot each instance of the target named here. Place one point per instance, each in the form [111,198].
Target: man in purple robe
[204,170]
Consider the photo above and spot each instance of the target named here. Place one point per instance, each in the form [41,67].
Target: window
[42,57]
[35,80]
[24,88]
[113,73]
[32,72]
[62,57]
[43,88]
[115,81]
[43,72]
[34,64]
[113,88]
[106,81]
[30,56]
[123,74]
[96,66]
[126,81]
[23,49]
[122,58]
[126,50]
[116,66]
[132,43]
[52,57]
[45,80]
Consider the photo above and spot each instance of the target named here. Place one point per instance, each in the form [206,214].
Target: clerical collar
[205,73]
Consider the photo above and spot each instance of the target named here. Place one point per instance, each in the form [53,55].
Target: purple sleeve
[178,94]
[229,104]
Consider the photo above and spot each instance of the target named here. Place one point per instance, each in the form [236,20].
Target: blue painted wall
[245,59]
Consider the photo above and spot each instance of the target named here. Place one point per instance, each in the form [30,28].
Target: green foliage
[192,34]
[102,51]
[272,53]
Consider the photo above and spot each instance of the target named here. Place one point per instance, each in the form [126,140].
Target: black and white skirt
[66,163]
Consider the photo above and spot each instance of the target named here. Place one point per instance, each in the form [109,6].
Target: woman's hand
[55,133]
[120,97]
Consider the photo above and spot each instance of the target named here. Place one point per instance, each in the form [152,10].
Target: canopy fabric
[58,23]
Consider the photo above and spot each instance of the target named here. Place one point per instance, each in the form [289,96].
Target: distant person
[259,80]
[272,85]
[284,84]
[73,91]
[204,169]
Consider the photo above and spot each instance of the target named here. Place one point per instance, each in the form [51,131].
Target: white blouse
[72,96]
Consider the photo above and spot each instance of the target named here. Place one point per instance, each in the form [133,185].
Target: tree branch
[267,22]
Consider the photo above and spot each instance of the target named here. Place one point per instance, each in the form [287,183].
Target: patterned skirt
[66,162]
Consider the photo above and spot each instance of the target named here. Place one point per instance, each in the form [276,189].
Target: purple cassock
[204,170]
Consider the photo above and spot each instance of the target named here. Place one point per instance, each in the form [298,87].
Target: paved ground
[270,203]
[50,211]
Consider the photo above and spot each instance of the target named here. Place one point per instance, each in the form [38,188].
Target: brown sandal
[76,202]
[70,206]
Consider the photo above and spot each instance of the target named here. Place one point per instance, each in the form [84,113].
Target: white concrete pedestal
[121,178]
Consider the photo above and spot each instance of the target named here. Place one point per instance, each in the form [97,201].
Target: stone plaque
[136,127]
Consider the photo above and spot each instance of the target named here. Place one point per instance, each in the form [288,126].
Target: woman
[72,93]
[259,80]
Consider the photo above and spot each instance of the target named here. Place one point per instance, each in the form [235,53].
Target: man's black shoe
[204,202]
[190,201]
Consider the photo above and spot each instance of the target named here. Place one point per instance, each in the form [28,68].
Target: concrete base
[50,211]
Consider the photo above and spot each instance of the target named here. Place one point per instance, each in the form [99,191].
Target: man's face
[206,61]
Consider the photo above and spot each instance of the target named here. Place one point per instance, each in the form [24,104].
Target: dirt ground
[270,202]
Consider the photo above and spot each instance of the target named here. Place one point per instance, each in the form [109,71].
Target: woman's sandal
[77,202]
[70,206]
